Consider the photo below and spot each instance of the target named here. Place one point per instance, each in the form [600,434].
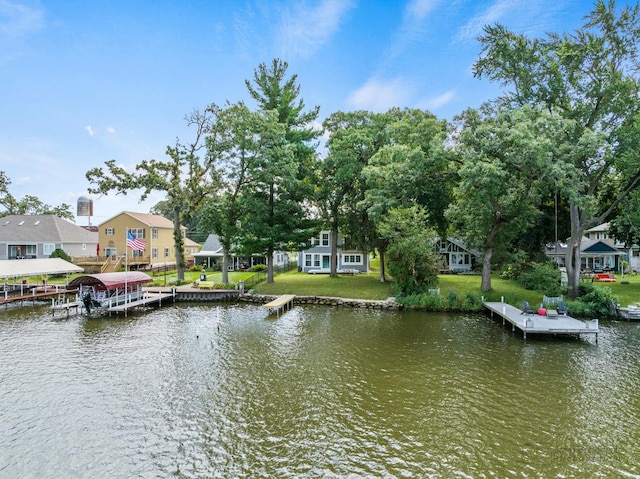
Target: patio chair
[526,309]
[562,307]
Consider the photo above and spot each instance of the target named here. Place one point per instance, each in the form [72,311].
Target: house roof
[211,247]
[43,229]
[600,227]
[588,247]
[110,281]
[12,268]
[190,242]
[156,221]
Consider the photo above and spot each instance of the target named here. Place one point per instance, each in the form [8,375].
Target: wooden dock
[281,303]
[536,324]
[33,294]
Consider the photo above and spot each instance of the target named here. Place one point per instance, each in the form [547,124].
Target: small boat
[106,290]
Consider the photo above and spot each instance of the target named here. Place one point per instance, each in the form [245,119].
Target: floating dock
[281,303]
[536,324]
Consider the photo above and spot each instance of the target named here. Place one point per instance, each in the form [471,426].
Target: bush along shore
[327,301]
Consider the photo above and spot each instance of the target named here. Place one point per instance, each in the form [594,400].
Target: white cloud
[417,10]
[306,29]
[19,20]
[111,130]
[530,18]
[438,101]
[495,11]
[17,23]
[379,96]
[89,130]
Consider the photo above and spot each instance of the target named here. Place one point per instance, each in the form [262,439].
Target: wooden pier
[32,294]
[536,324]
[281,303]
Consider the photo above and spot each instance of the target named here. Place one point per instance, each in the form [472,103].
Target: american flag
[134,243]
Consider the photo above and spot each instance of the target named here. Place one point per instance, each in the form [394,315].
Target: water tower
[85,208]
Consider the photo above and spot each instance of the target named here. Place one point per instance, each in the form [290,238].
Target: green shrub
[471,302]
[542,277]
[453,301]
[258,267]
[59,253]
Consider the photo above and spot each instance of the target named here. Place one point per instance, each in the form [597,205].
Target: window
[155,233]
[32,250]
[109,231]
[352,259]
[316,260]
[48,248]
[166,252]
[307,260]
[155,252]
[137,232]
[324,239]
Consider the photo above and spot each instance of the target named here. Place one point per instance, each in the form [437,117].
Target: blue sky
[84,82]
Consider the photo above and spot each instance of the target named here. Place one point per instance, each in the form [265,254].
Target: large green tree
[412,167]
[29,204]
[589,77]
[353,139]
[276,200]
[505,160]
[413,262]
[186,177]
[239,139]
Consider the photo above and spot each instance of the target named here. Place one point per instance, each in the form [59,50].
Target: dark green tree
[239,139]
[413,262]
[589,77]
[280,187]
[29,204]
[186,177]
[505,159]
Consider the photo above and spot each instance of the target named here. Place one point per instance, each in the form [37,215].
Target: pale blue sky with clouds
[84,82]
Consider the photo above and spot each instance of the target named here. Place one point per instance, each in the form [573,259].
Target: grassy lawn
[368,286]
[362,286]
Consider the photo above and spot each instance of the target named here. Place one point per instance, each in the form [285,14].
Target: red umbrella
[97,250]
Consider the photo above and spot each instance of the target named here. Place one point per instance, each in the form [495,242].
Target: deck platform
[37,293]
[281,303]
[536,324]
[145,300]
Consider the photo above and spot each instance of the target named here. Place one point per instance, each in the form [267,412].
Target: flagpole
[126,265]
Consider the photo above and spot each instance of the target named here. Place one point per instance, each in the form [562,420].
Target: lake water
[200,391]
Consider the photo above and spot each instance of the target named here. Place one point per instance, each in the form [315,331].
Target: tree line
[558,147]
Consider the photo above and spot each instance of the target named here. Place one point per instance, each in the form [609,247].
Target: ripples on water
[224,391]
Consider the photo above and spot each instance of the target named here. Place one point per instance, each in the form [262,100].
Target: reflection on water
[225,391]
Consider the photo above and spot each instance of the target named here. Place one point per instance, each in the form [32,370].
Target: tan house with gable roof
[154,230]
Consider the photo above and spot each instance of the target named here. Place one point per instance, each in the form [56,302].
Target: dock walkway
[145,300]
[281,303]
[536,324]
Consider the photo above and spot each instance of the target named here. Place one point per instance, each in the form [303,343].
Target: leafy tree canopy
[29,205]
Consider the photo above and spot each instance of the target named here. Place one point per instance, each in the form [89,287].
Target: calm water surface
[199,391]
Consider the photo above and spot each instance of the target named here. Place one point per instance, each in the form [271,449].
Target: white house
[317,258]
